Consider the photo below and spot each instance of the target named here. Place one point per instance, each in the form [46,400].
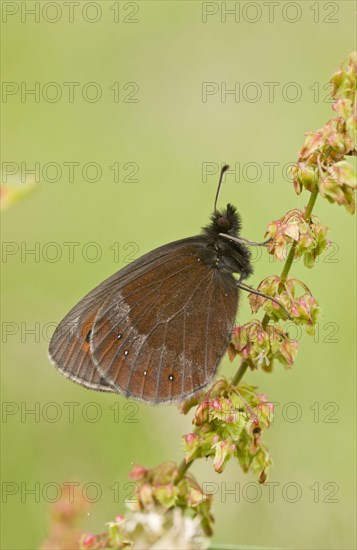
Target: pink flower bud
[88,540]
[119,519]
[216,405]
[191,438]
[138,472]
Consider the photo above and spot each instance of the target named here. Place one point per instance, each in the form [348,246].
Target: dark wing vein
[207,323]
[160,362]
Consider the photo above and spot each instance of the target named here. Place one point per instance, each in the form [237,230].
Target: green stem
[311,203]
[239,374]
[288,263]
[291,255]
[182,469]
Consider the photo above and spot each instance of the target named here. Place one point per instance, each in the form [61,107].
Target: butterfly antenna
[223,170]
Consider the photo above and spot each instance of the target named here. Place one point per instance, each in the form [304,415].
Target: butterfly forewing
[69,348]
[160,334]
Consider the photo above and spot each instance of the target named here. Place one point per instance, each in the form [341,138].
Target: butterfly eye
[223,224]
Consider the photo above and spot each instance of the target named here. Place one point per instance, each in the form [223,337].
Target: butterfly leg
[242,276]
[251,290]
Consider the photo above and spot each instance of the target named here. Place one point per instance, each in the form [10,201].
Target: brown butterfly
[157,329]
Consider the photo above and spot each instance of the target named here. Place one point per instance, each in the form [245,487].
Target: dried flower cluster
[310,237]
[302,307]
[228,424]
[322,162]
[162,487]
[260,346]
[152,528]
[65,516]
[170,530]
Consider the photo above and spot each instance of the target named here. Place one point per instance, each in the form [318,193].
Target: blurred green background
[169,133]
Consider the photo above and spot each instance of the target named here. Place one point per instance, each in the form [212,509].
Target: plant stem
[182,469]
[291,255]
[311,203]
[240,373]
[288,263]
